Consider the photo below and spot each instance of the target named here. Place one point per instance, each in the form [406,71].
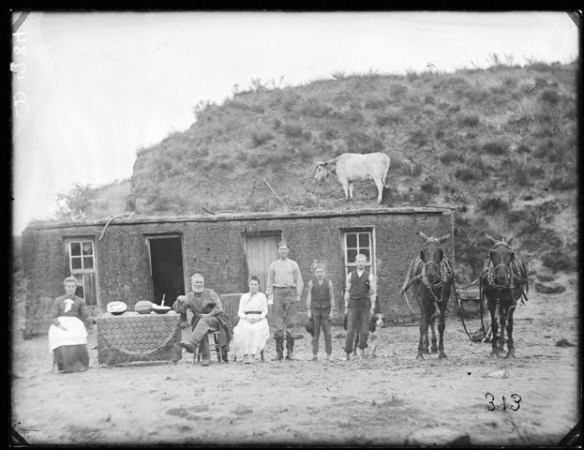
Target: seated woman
[68,333]
[252,332]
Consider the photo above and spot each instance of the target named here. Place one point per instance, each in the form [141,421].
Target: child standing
[319,301]
[359,305]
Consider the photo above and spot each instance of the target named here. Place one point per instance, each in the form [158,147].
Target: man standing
[359,305]
[208,316]
[284,288]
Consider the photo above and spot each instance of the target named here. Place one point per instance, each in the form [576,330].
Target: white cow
[351,167]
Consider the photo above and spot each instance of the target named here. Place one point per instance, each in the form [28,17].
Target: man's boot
[279,349]
[290,348]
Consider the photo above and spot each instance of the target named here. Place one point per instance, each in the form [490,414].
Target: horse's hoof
[510,354]
[434,349]
[420,356]
[442,356]
[494,354]
[426,351]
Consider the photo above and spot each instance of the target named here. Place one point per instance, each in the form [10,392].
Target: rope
[408,302]
[461,314]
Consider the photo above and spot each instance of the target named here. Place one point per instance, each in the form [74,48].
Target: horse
[503,283]
[432,277]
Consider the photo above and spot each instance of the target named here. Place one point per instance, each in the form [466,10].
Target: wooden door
[261,250]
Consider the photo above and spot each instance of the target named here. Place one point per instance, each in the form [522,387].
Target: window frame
[83,273]
[357,231]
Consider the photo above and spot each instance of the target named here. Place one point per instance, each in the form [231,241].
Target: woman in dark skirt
[68,332]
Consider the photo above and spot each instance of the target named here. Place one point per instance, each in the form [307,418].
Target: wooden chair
[214,344]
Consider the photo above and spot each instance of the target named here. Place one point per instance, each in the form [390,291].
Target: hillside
[499,145]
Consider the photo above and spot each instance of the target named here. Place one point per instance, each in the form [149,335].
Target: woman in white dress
[252,331]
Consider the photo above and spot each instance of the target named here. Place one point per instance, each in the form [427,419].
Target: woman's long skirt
[250,338]
[69,346]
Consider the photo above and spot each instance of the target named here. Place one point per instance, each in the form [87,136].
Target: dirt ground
[376,401]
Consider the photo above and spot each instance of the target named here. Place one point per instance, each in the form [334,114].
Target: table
[138,337]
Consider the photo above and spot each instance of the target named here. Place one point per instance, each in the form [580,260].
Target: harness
[436,289]
[444,270]
[446,274]
[515,275]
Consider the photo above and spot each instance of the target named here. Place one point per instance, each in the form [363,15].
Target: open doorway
[166,265]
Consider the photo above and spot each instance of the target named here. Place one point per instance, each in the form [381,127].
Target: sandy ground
[377,401]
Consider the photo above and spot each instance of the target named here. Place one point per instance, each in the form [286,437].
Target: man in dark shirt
[208,316]
[359,305]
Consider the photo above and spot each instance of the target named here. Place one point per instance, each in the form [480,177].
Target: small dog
[375,324]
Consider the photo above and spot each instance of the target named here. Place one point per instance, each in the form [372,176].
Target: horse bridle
[493,269]
[442,280]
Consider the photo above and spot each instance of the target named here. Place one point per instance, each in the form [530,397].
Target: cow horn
[444,238]
[491,238]
[423,235]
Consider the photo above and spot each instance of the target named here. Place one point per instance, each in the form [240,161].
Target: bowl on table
[160,309]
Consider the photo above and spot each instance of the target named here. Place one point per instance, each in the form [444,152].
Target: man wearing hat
[283,289]
[208,316]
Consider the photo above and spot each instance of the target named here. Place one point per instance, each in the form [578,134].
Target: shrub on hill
[550,97]
[558,261]
[465,174]
[449,157]
[493,205]
[260,138]
[469,120]
[495,147]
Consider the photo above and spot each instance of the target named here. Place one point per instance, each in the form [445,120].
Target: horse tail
[524,279]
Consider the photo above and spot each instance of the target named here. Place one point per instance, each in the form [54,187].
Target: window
[82,266]
[358,240]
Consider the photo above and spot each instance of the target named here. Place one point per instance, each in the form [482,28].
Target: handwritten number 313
[514,406]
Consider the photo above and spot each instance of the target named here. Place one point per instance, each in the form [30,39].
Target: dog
[375,324]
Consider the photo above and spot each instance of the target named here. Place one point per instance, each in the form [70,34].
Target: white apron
[74,335]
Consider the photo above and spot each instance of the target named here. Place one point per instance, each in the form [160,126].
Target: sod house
[130,259]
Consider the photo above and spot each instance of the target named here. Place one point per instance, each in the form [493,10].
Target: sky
[91,89]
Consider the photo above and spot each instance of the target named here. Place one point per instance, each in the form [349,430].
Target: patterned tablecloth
[138,337]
